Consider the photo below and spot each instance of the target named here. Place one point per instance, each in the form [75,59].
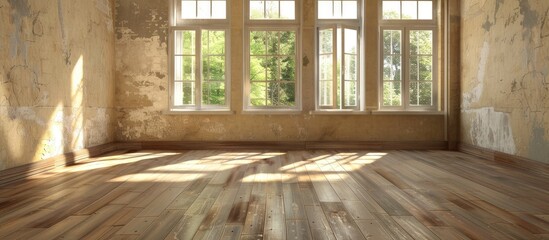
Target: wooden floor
[281,195]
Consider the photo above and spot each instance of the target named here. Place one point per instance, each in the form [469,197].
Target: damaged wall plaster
[142,91]
[56,78]
[505,84]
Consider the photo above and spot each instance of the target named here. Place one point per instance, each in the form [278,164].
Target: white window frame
[334,23]
[198,25]
[269,25]
[405,26]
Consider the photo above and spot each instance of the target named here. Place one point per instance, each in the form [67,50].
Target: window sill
[339,112]
[400,112]
[199,112]
[273,111]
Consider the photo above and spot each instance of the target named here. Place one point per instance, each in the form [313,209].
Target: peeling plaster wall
[56,78]
[505,76]
[142,91]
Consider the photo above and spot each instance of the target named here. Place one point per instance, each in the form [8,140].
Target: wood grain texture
[279,194]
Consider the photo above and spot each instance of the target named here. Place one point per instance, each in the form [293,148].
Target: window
[199,57]
[408,56]
[272,69]
[338,54]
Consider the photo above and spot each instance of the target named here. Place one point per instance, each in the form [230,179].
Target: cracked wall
[505,76]
[56,78]
[142,90]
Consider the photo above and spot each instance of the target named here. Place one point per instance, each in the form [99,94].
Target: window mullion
[405,66]
[334,67]
[198,74]
[343,65]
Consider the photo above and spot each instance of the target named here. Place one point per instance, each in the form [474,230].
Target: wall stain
[539,144]
[19,9]
[144,18]
[530,17]
[66,50]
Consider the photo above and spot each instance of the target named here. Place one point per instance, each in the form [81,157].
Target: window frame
[249,21]
[198,25]
[405,26]
[341,23]
[247,79]
[177,20]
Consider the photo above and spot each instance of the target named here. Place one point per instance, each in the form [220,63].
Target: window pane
[288,10]
[287,68]
[257,10]
[425,93]
[409,9]
[325,41]
[258,94]
[258,72]
[425,68]
[188,9]
[421,42]
[287,43]
[414,93]
[350,93]
[325,9]
[391,94]
[178,94]
[391,41]
[213,42]
[213,68]
[188,93]
[325,63]
[391,9]
[414,68]
[219,9]
[272,43]
[178,68]
[188,68]
[272,10]
[281,94]
[350,10]
[391,68]
[326,93]
[203,9]
[350,67]
[425,10]
[213,93]
[258,42]
[351,44]
[189,46]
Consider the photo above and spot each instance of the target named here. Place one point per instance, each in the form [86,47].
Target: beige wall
[142,89]
[56,77]
[505,76]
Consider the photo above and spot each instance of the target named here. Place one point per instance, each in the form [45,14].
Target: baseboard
[504,158]
[19,173]
[288,145]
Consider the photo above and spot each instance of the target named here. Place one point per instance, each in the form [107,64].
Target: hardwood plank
[162,225]
[297,229]
[320,228]
[89,224]
[340,220]
[59,228]
[231,232]
[416,229]
[371,229]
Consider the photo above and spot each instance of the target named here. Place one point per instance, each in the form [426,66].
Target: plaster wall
[505,83]
[142,89]
[56,77]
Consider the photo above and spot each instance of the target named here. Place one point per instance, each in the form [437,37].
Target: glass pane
[414,68]
[287,68]
[325,40]
[213,93]
[188,9]
[391,94]
[425,10]
[258,42]
[351,67]
[391,68]
[409,10]
[414,93]
[287,43]
[178,94]
[258,94]
[421,42]
[188,68]
[272,10]
[178,68]
[178,42]
[325,9]
[288,10]
[219,9]
[257,10]
[425,94]
[391,10]
[337,9]
[350,93]
[272,43]
[391,41]
[189,38]
[258,72]
[351,45]
[281,94]
[213,42]
[325,93]
[188,93]
[326,67]
[350,10]
[213,68]
[203,9]
[273,68]
[425,68]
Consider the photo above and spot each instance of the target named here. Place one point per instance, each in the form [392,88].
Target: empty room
[279,119]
